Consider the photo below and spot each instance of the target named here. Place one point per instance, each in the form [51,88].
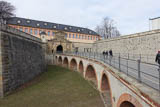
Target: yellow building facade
[72,33]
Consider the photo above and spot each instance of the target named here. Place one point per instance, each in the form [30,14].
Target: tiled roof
[48,25]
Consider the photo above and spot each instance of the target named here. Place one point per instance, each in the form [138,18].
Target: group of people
[108,53]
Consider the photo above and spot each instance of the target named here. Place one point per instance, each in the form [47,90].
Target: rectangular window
[48,33]
[30,31]
[69,35]
[79,36]
[73,35]
[88,37]
[76,35]
[65,35]
[35,31]
[96,38]
[91,37]
[52,33]
[26,30]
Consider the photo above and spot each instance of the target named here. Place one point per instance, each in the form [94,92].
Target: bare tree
[107,29]
[6,11]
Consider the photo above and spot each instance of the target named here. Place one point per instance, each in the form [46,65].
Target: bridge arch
[65,62]
[126,104]
[105,88]
[81,67]
[73,64]
[126,100]
[91,75]
[60,60]
[105,85]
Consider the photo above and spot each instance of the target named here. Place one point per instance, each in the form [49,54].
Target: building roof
[43,33]
[48,25]
[154,18]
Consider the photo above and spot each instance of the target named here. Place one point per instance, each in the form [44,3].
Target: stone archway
[65,62]
[59,49]
[81,68]
[104,83]
[127,100]
[73,65]
[126,104]
[105,88]
[60,60]
[90,74]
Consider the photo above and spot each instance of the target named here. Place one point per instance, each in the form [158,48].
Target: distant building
[35,27]
[154,23]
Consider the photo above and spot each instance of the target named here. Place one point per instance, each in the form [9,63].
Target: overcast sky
[131,16]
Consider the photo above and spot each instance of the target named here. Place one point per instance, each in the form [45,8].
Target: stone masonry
[144,43]
[22,57]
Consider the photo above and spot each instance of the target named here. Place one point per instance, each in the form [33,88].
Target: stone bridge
[118,89]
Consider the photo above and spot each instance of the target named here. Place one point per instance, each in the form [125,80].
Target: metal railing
[143,57]
[146,73]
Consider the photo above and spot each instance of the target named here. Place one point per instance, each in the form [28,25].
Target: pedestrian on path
[103,54]
[158,58]
[106,53]
[110,53]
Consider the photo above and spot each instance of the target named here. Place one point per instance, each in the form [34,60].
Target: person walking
[158,58]
[103,54]
[106,53]
[110,53]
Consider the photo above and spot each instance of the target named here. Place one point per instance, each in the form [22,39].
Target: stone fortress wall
[22,57]
[144,45]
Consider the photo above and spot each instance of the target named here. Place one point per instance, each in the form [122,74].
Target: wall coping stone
[130,36]
[19,33]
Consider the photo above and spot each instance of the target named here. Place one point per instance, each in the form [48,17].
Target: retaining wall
[145,43]
[22,57]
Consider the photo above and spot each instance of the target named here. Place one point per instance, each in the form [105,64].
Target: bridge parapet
[119,87]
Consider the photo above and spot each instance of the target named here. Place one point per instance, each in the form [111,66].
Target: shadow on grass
[58,87]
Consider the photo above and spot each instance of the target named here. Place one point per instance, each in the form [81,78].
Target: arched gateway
[59,49]
[59,43]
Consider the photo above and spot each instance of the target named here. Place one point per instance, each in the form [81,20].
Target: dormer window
[55,26]
[79,30]
[28,21]
[90,32]
[65,28]
[18,21]
[82,29]
[45,24]
[70,27]
[37,24]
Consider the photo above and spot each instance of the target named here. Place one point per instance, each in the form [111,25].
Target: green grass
[59,87]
